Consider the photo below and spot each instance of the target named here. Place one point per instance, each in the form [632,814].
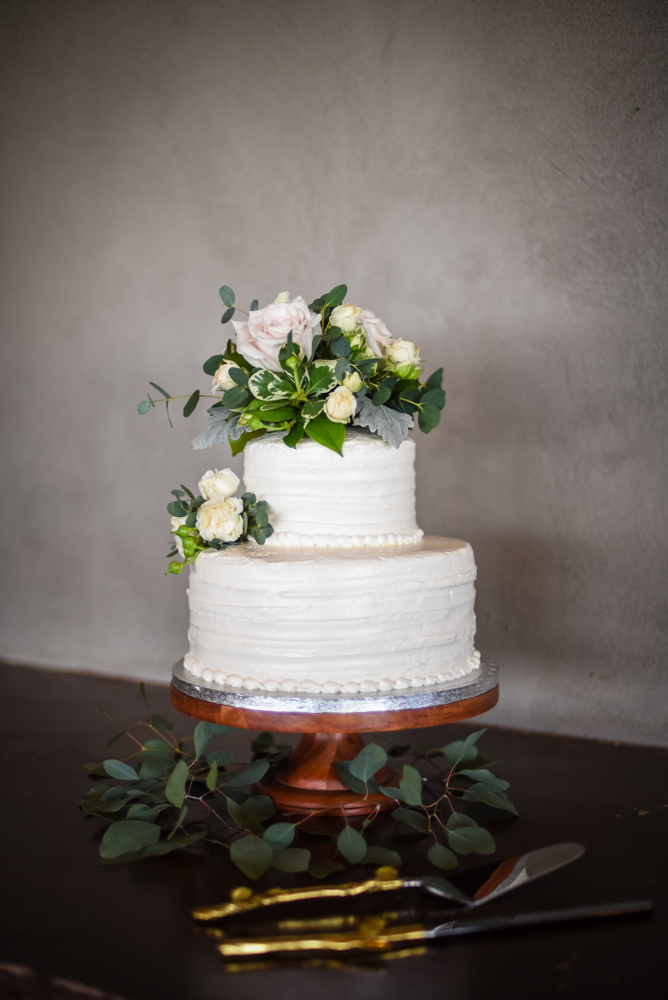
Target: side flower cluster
[313,369]
[215,518]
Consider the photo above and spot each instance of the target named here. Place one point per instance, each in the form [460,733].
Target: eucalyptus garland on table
[312,370]
[215,519]
[171,792]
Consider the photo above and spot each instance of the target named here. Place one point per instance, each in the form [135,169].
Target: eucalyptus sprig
[170,793]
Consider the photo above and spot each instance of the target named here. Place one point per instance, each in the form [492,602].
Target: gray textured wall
[489,177]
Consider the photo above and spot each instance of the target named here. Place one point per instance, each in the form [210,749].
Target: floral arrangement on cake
[312,369]
[215,519]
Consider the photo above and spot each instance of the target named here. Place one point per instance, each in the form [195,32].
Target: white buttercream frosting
[318,498]
[346,620]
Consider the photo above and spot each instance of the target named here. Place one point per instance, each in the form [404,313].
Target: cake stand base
[308,781]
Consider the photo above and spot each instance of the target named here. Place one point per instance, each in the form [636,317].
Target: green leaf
[381,395]
[280,835]
[262,742]
[351,844]
[321,379]
[221,757]
[238,446]
[243,819]
[321,869]
[313,407]
[327,433]
[340,348]
[212,776]
[463,750]
[144,406]
[354,783]
[266,385]
[160,722]
[434,381]
[440,856]
[411,786]
[381,856]
[177,508]
[245,775]
[211,366]
[165,394]
[117,769]
[227,315]
[191,404]
[203,733]
[429,417]
[411,818]
[176,786]
[293,859]
[260,807]
[239,376]
[227,295]
[254,306]
[145,812]
[277,415]
[336,296]
[156,765]
[128,835]
[236,398]
[368,761]
[294,436]
[182,816]
[491,796]
[434,396]
[252,855]
[482,774]
[166,846]
[458,820]
[392,793]
[471,840]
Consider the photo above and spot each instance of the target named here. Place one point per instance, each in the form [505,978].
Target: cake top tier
[318,498]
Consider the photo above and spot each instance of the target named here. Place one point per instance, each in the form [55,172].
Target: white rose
[402,352]
[340,405]
[353,381]
[377,334]
[220,518]
[178,542]
[218,483]
[221,380]
[346,317]
[282,297]
[261,337]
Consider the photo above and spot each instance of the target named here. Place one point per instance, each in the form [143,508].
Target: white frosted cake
[347,595]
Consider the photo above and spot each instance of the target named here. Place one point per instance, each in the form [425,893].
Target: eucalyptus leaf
[336,296]
[428,417]
[176,786]
[392,793]
[482,774]
[410,817]
[128,835]
[354,783]
[390,425]
[260,807]
[118,769]
[471,840]
[280,835]
[434,381]
[160,722]
[175,844]
[340,348]
[227,295]
[321,869]
[245,775]
[191,403]
[243,819]
[411,786]
[458,820]
[144,406]
[227,315]
[382,856]
[236,398]
[211,366]
[351,844]
[368,761]
[434,396]
[212,776]
[491,796]
[145,812]
[252,855]
[292,859]
[203,733]
[221,757]
[254,306]
[164,393]
[156,765]
[464,748]
[440,856]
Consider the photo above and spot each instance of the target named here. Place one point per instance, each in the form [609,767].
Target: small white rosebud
[221,380]
[282,297]
[217,483]
[340,405]
[346,317]
[353,381]
[402,352]
[178,542]
[221,518]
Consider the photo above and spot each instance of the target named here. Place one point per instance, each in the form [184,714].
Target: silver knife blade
[477,925]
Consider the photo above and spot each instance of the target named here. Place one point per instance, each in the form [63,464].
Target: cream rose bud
[282,297]
[221,518]
[218,483]
[353,381]
[221,380]
[346,317]
[340,405]
[178,542]
[402,352]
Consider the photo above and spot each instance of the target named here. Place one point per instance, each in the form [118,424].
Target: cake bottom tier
[348,620]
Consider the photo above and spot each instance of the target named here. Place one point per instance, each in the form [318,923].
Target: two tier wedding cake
[318,579]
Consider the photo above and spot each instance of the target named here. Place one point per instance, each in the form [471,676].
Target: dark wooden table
[127,929]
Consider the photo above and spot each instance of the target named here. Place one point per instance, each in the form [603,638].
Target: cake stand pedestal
[307,781]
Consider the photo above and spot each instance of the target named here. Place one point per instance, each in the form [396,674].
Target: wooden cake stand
[332,725]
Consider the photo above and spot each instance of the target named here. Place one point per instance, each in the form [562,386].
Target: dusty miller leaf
[217,430]
[389,424]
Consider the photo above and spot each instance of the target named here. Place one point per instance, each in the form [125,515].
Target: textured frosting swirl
[317,498]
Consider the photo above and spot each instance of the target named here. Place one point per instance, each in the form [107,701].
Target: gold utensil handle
[243,899]
[239,947]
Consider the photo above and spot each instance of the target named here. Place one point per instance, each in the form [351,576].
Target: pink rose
[262,336]
[377,334]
